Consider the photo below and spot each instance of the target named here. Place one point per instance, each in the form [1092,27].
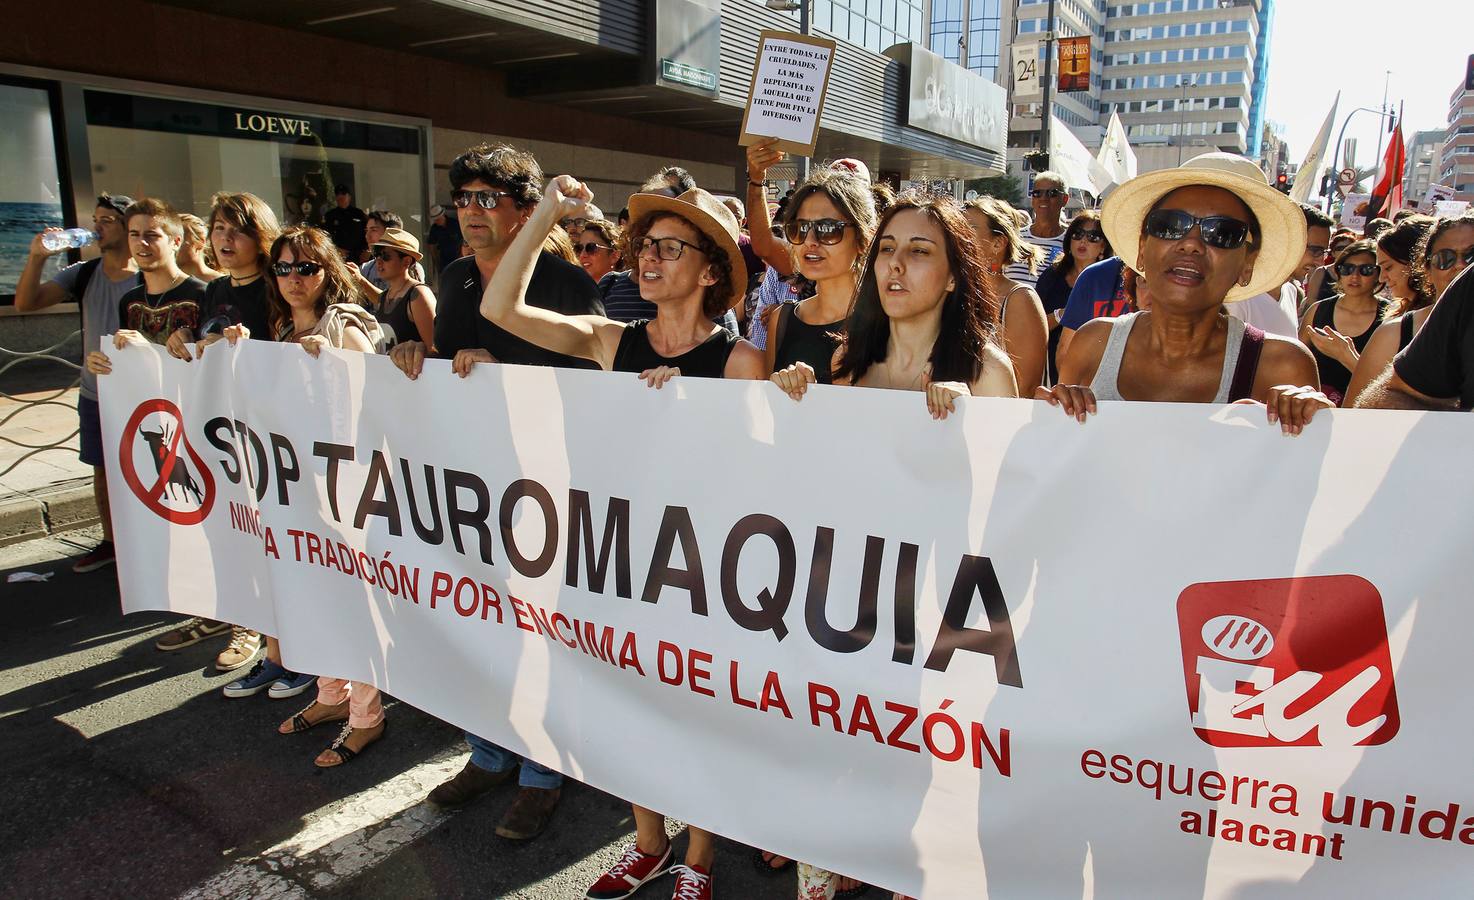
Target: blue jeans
[488,756]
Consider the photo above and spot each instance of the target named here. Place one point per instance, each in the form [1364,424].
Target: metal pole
[1181,121]
[803,28]
[1381,126]
[1336,152]
[1045,110]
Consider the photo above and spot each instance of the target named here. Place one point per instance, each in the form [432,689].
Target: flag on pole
[1115,154]
[1307,178]
[1072,159]
[1386,197]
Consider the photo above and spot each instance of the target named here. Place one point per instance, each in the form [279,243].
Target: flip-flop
[766,867]
[346,755]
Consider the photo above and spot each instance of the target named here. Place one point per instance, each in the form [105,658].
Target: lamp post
[802,7]
[1045,112]
[1182,116]
[1336,152]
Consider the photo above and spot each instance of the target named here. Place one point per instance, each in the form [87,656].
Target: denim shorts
[91,436]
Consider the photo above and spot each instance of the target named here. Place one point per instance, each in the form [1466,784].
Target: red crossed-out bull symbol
[1288,662]
[175,483]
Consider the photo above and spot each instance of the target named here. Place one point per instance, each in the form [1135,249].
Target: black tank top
[1406,331]
[399,326]
[1334,377]
[706,360]
[802,342]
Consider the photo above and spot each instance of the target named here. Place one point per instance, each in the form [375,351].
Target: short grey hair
[1053,177]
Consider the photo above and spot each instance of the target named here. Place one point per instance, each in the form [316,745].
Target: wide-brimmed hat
[401,240]
[707,215]
[437,211]
[1281,220]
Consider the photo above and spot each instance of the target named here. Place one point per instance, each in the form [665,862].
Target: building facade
[1424,156]
[1456,162]
[1080,111]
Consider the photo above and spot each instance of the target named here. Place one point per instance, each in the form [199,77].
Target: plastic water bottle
[70,239]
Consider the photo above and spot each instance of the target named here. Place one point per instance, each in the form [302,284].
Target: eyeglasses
[573,223]
[1367,270]
[1087,234]
[1444,260]
[826,231]
[1222,232]
[591,247]
[1051,193]
[667,249]
[305,269]
[484,199]
[384,254]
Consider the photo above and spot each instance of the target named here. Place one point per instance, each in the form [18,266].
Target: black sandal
[346,754]
[301,723]
[766,867]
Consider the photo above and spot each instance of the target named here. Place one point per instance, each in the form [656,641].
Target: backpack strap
[84,276]
[1247,366]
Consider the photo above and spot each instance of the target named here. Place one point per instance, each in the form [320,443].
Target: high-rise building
[1424,150]
[1456,167]
[1182,75]
[1080,110]
[1261,75]
[969,33]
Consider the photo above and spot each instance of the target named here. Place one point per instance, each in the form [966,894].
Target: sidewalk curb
[59,507]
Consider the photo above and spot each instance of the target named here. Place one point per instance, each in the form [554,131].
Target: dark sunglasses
[1087,234]
[1051,193]
[826,231]
[1367,270]
[667,249]
[484,199]
[305,269]
[384,254]
[590,247]
[1444,260]
[1222,232]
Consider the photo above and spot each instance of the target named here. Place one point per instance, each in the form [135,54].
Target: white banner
[1307,177]
[1168,653]
[1026,84]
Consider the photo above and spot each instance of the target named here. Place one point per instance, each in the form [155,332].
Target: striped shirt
[1053,246]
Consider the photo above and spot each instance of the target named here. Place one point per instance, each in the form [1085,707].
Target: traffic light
[1282,182]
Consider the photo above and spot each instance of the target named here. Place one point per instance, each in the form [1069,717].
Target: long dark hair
[1063,266]
[309,245]
[969,312]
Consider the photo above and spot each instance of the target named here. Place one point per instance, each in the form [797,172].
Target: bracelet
[761,184]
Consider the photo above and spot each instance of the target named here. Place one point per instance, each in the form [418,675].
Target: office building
[1424,152]
[1081,110]
[1456,167]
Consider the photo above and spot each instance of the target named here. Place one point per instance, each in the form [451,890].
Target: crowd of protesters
[1197,284]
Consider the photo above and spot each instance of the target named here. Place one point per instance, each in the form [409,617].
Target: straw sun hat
[1281,221]
[707,215]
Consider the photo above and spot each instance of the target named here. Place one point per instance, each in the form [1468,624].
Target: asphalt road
[125,773]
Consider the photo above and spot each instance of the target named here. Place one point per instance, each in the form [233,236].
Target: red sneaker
[692,883]
[633,871]
[101,555]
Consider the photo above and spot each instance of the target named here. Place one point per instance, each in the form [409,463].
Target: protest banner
[790,78]
[955,665]
[1354,211]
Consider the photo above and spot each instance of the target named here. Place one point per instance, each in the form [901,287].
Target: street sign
[1348,177]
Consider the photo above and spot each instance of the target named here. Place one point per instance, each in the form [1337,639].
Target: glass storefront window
[30,180]
[183,151]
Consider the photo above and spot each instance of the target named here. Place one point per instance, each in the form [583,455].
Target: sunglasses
[1222,232]
[484,199]
[1087,234]
[305,269]
[668,249]
[826,231]
[1444,260]
[1367,270]
[591,247]
[1051,193]
[384,254]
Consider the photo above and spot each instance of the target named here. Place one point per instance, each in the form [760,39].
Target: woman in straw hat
[406,307]
[683,253]
[1206,233]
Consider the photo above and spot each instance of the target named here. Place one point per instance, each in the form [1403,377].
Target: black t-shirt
[156,316]
[556,285]
[1440,360]
[226,304]
[345,225]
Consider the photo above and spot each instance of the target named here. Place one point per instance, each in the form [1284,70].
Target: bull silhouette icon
[180,480]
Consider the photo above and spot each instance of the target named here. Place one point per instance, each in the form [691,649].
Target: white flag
[1116,155]
[1026,85]
[1307,179]
[1072,159]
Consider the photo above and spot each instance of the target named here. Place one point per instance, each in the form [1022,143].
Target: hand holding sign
[789,81]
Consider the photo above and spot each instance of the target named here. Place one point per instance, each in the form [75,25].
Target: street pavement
[127,774]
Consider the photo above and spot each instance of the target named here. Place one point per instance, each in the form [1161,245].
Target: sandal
[343,752]
[300,723]
[765,865]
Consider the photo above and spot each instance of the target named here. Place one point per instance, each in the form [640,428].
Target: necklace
[239,282]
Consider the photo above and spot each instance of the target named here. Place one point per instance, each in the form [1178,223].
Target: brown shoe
[529,813]
[469,784]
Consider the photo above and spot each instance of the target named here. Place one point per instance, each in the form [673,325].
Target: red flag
[1387,197]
